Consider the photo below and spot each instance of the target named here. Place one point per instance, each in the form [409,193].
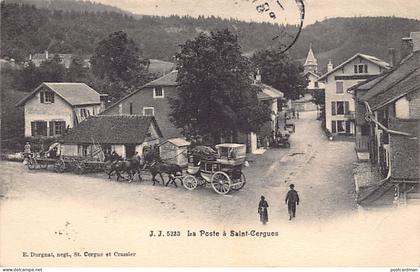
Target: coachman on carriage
[222,169]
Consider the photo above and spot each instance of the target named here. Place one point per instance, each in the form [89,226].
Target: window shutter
[333,108]
[346,107]
[33,128]
[366,68]
[63,127]
[41,96]
[51,128]
[355,69]
[333,127]
[52,97]
[42,128]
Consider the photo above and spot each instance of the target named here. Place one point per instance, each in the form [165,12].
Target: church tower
[311,63]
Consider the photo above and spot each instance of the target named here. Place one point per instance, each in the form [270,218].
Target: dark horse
[131,167]
[171,169]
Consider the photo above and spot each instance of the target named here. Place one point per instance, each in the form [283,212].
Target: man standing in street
[292,199]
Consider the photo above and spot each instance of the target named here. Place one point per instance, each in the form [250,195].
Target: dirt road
[45,211]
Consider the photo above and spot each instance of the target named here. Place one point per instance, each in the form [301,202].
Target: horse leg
[161,177]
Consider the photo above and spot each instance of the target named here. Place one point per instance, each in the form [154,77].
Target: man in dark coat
[292,199]
[263,210]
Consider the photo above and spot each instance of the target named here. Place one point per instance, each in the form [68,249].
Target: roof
[42,56]
[312,73]
[160,67]
[268,92]
[372,59]
[73,93]
[394,77]
[229,145]
[178,142]
[407,85]
[112,129]
[166,80]
[368,83]
[310,59]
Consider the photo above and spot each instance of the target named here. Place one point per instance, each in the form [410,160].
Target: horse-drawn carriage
[61,163]
[222,170]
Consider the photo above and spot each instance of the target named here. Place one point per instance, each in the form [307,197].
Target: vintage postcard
[269,133]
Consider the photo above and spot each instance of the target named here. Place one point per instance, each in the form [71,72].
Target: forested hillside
[69,5]
[60,26]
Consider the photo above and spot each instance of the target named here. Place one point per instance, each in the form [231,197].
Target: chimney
[330,66]
[258,76]
[392,59]
[46,54]
[415,39]
[406,47]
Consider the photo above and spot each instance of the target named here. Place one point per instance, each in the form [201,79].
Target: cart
[223,172]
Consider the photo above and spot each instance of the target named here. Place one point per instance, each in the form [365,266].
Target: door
[130,150]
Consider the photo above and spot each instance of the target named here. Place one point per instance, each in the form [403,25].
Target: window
[46,97]
[360,68]
[84,113]
[340,126]
[316,84]
[84,150]
[57,127]
[39,128]
[339,87]
[340,107]
[131,108]
[149,111]
[158,92]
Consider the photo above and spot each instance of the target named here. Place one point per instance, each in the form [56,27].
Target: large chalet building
[339,104]
[52,108]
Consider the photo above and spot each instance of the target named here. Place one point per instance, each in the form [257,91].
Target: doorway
[130,150]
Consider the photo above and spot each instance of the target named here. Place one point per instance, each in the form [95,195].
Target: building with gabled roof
[152,99]
[52,108]
[392,109]
[339,103]
[124,134]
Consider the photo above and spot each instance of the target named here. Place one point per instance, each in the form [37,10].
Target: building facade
[151,100]
[52,108]
[124,134]
[339,103]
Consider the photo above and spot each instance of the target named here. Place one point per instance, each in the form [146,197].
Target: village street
[65,210]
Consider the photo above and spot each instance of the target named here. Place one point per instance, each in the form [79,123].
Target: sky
[316,10]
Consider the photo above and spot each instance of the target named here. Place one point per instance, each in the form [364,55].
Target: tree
[117,60]
[216,95]
[52,70]
[279,71]
[76,71]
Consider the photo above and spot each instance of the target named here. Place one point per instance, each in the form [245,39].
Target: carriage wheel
[80,168]
[221,182]
[240,183]
[190,182]
[31,163]
[60,166]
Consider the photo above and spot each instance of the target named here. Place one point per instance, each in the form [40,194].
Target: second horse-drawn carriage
[221,169]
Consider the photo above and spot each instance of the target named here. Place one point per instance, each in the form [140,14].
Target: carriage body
[223,171]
